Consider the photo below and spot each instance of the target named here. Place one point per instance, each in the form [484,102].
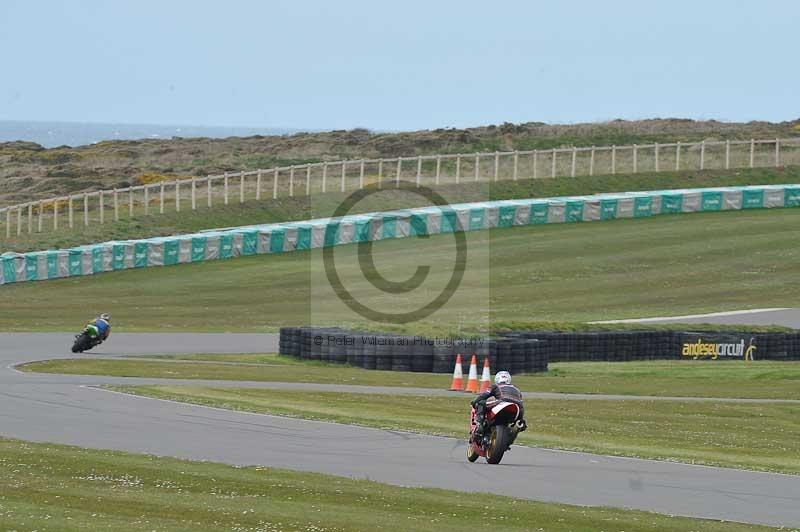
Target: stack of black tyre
[400,353]
[517,352]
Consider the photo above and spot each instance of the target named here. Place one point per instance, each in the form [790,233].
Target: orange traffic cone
[458,376]
[486,377]
[472,380]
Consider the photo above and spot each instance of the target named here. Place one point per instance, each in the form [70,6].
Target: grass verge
[681,378]
[748,436]
[669,265]
[54,487]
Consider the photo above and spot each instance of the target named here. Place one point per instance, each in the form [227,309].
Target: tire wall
[531,351]
[403,353]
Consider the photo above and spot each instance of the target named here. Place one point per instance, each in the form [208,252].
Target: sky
[396,65]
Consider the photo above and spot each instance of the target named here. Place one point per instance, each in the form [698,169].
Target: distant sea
[52,134]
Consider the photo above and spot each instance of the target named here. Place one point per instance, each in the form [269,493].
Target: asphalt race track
[67,409]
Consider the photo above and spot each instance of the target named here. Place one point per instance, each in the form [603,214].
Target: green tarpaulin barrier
[419,225]
[303,238]
[608,209]
[52,265]
[389,227]
[574,211]
[276,240]
[449,222]
[642,207]
[199,248]
[31,268]
[272,238]
[752,199]
[226,246]
[75,262]
[9,272]
[118,256]
[140,255]
[172,252]
[791,197]
[361,233]
[476,219]
[671,203]
[506,216]
[97,259]
[331,234]
[538,213]
[250,243]
[711,201]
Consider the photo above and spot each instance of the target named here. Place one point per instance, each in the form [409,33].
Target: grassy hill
[666,265]
[29,171]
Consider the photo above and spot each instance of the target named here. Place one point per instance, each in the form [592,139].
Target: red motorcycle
[503,425]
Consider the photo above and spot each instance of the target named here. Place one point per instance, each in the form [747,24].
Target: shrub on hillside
[152,177]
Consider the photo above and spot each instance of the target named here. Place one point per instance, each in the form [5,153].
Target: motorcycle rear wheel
[499,442]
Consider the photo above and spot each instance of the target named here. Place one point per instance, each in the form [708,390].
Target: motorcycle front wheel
[472,453]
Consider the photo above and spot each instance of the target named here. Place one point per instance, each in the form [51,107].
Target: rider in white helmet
[503,390]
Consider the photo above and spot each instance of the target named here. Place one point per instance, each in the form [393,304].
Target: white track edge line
[695,316]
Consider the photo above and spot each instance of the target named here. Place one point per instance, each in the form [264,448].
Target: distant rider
[100,328]
[503,390]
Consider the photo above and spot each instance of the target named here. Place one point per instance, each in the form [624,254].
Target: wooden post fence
[655,156]
[613,159]
[574,160]
[399,170]
[516,165]
[702,155]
